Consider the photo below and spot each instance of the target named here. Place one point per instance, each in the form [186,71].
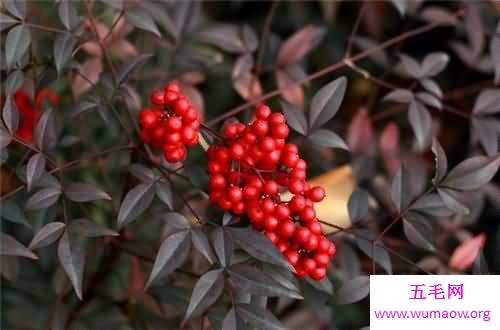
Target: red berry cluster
[172,124]
[247,175]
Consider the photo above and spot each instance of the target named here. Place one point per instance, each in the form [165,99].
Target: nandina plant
[224,166]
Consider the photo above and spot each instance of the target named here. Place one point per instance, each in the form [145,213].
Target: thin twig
[354,30]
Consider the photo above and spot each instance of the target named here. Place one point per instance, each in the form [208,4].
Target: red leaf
[292,92]
[465,254]
[299,44]
[360,131]
[389,147]
[247,85]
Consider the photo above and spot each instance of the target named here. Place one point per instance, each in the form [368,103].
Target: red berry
[318,274]
[296,186]
[217,182]
[307,214]
[316,194]
[280,131]
[276,118]
[234,194]
[292,256]
[157,98]
[260,127]
[282,212]
[170,97]
[181,106]
[290,159]
[286,229]
[262,112]
[174,124]
[312,243]
[297,204]
[172,138]
[188,134]
[301,235]
[250,193]
[173,87]
[237,151]
[309,265]
[270,223]
[272,237]
[332,250]
[267,144]
[270,187]
[322,259]
[314,227]
[148,118]
[267,206]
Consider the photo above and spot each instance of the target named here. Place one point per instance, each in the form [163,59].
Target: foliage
[99,230]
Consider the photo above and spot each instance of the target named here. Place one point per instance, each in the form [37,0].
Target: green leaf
[252,280]
[63,48]
[34,169]
[418,230]
[84,192]
[71,252]
[205,293]
[258,246]
[47,235]
[200,242]
[353,290]
[141,19]
[135,203]
[88,228]
[171,255]
[295,117]
[43,198]
[327,138]
[258,317]
[11,247]
[326,102]
[16,43]
[472,173]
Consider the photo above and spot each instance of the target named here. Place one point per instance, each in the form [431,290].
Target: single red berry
[314,227]
[270,222]
[332,250]
[280,131]
[267,144]
[272,237]
[289,159]
[181,106]
[234,194]
[296,186]
[217,182]
[174,124]
[172,138]
[157,98]
[312,243]
[301,235]
[292,256]
[148,118]
[173,87]
[286,229]
[282,212]
[297,204]
[260,127]
[270,187]
[250,193]
[239,208]
[309,265]
[316,194]
[237,151]
[267,206]
[322,259]
[276,118]
[188,134]
[170,97]
[262,112]
[318,274]
[307,214]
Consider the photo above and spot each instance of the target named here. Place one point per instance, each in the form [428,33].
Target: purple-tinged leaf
[16,43]
[9,246]
[421,122]
[379,56]
[401,188]
[360,132]
[126,69]
[377,253]
[429,100]
[63,48]
[295,117]
[438,15]
[409,66]
[326,102]
[84,192]
[258,317]
[433,64]
[249,38]
[495,52]
[71,252]
[432,204]
[16,7]
[252,280]
[258,246]
[200,242]
[7,21]
[164,193]
[68,14]
[432,87]
[141,19]
[486,129]
[472,173]
[172,253]
[206,291]
[452,200]
[357,205]
[418,231]
[291,91]
[34,169]
[47,235]
[5,137]
[14,81]
[353,290]
[135,203]
[326,138]
[488,102]
[225,36]
[142,173]
[12,212]
[299,44]
[43,198]
[404,96]
[400,6]
[174,222]
[223,246]
[88,228]
[440,160]
[10,115]
[45,131]
[474,29]
[233,321]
